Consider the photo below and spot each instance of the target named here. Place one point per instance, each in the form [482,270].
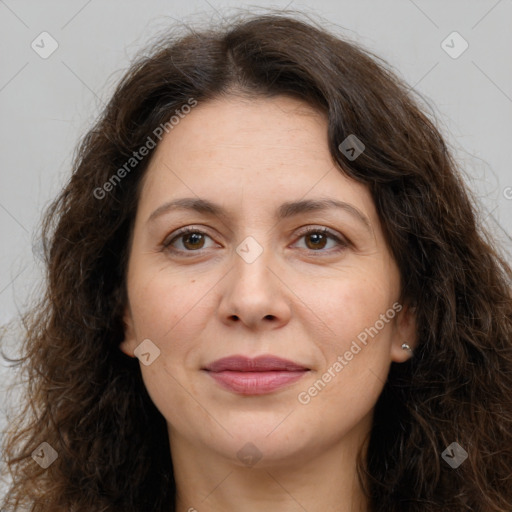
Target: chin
[270,439]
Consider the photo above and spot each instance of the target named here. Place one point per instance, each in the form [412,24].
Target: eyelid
[311,228]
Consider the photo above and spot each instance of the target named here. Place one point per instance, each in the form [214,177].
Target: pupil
[194,238]
[317,239]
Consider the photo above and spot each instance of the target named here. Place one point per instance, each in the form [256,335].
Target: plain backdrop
[47,104]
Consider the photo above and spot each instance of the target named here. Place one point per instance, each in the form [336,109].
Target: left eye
[318,238]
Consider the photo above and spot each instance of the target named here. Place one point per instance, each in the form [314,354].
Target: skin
[300,299]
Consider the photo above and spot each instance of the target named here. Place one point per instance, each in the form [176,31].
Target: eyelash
[342,244]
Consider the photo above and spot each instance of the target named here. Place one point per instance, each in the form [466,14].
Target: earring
[405,346]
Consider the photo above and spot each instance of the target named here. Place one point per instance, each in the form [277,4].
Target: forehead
[261,150]
[237,127]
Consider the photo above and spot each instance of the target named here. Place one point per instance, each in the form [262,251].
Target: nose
[254,295]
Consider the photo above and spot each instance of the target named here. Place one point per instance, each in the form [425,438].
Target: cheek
[170,312]
[350,304]
[165,305]
[357,317]
[176,397]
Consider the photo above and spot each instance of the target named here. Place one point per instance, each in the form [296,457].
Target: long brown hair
[87,400]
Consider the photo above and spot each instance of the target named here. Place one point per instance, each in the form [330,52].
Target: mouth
[257,376]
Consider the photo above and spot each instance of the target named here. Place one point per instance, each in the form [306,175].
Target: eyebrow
[286,210]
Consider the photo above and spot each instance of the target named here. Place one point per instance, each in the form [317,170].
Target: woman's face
[250,281]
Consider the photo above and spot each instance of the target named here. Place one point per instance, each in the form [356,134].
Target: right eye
[190,239]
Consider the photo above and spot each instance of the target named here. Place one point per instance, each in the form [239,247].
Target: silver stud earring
[405,346]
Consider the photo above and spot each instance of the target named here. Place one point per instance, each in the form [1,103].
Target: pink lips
[257,376]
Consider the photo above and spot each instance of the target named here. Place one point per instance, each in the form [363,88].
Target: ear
[129,344]
[405,326]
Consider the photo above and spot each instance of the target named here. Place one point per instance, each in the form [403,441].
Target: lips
[258,364]
[257,376]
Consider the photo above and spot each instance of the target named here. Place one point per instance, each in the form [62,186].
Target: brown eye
[193,240]
[186,240]
[317,239]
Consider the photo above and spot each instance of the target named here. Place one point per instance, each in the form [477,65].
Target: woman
[267,289]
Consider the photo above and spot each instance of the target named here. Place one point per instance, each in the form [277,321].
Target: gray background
[47,104]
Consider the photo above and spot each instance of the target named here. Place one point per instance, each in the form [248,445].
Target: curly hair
[87,399]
